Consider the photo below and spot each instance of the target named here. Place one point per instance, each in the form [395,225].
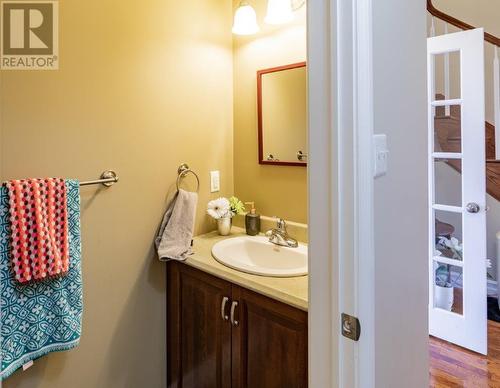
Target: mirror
[282,110]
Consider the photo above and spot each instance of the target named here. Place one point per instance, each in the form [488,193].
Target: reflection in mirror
[282,106]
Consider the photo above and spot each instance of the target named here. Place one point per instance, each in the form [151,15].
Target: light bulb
[245,20]
[279,12]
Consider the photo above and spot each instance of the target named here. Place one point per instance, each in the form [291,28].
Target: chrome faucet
[279,235]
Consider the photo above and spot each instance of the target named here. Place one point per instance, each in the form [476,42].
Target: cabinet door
[198,337]
[269,343]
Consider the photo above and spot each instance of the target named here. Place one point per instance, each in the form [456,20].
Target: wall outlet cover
[214,181]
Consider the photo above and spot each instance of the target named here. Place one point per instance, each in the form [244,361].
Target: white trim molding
[324,324]
[341,247]
[364,253]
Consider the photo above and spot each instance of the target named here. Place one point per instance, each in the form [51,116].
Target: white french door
[457,193]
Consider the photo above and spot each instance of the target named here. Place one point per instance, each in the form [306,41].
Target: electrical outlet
[214,181]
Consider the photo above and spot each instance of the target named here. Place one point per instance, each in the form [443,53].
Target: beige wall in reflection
[284,113]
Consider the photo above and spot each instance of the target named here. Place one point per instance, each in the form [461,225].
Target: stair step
[447,137]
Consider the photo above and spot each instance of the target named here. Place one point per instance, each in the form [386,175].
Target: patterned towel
[45,316]
[39,228]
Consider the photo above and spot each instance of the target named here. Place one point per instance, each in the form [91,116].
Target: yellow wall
[142,87]
[480,13]
[276,190]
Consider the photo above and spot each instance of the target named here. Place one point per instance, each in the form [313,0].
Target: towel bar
[108,179]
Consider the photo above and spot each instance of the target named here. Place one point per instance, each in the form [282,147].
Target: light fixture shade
[245,20]
[279,12]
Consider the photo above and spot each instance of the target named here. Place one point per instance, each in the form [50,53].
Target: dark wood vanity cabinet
[220,335]
[198,340]
[269,344]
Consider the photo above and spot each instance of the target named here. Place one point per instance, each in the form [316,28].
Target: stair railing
[495,41]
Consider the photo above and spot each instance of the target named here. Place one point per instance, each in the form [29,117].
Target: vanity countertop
[292,291]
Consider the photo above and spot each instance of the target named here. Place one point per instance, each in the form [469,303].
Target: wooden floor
[452,366]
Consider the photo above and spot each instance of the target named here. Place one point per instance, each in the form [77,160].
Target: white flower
[454,244]
[218,208]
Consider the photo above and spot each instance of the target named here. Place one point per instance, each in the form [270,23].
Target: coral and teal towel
[43,316]
[39,228]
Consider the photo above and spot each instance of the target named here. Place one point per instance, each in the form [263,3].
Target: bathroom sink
[256,255]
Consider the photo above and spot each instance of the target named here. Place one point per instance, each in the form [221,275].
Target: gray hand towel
[176,231]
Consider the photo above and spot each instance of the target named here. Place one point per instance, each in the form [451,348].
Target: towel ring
[182,171]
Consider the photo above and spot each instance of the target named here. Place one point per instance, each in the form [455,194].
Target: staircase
[448,137]
[447,124]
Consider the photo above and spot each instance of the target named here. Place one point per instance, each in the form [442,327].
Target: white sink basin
[256,255]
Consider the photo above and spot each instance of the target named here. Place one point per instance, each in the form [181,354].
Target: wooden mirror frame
[260,73]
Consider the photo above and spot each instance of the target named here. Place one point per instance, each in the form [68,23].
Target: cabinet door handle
[233,307]
[223,309]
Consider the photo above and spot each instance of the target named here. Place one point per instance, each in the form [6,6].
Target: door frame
[340,184]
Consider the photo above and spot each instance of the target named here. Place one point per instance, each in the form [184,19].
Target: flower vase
[443,297]
[224,226]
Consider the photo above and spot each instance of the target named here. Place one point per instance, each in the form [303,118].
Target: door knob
[472,207]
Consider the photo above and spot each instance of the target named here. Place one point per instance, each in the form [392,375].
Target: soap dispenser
[252,220]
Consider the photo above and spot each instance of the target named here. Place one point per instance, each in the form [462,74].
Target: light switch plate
[214,181]
[381,155]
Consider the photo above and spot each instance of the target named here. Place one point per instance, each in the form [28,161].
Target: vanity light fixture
[245,20]
[278,12]
[282,11]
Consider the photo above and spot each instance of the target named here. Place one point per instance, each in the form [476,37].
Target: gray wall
[399,46]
